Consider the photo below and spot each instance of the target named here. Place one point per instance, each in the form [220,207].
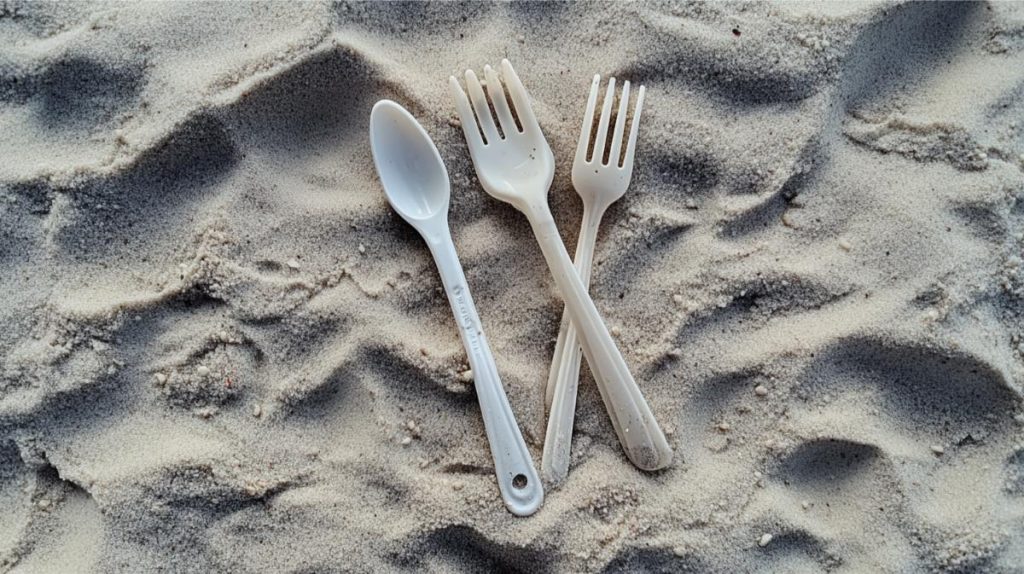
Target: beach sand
[221,351]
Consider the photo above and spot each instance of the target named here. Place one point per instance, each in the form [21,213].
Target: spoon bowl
[411,170]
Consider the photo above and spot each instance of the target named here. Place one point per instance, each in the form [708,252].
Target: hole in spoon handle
[518,482]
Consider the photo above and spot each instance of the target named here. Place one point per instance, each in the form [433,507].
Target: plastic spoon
[417,187]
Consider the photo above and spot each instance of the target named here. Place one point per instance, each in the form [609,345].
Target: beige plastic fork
[599,184]
[517,166]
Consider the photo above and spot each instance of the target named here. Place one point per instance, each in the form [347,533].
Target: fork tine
[627,164]
[588,121]
[620,126]
[497,93]
[483,111]
[520,97]
[602,126]
[469,127]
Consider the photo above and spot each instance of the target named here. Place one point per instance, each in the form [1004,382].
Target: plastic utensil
[516,166]
[417,187]
[599,184]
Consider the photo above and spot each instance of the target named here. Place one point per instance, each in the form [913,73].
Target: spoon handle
[634,423]
[520,486]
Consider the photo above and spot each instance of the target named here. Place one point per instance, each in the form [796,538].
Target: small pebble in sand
[521,39]
[724,427]
[717,443]
[845,244]
[765,540]
[675,353]
[677,298]
[455,122]
[43,503]
[202,370]
[406,441]
[616,331]
[160,378]
[424,351]
[467,376]
[257,410]
[111,370]
[805,504]
[938,450]
[760,390]
[362,248]
[293,264]
[457,486]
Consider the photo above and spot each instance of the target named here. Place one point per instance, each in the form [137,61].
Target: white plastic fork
[599,184]
[517,166]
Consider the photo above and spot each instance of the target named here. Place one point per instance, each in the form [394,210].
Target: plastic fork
[599,182]
[516,165]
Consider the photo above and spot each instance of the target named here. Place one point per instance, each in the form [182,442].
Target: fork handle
[518,482]
[583,261]
[634,423]
[564,377]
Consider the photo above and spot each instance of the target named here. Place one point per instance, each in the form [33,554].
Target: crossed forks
[514,164]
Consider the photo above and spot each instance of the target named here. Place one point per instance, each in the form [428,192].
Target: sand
[222,352]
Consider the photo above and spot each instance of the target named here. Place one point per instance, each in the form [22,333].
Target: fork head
[512,159]
[601,172]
